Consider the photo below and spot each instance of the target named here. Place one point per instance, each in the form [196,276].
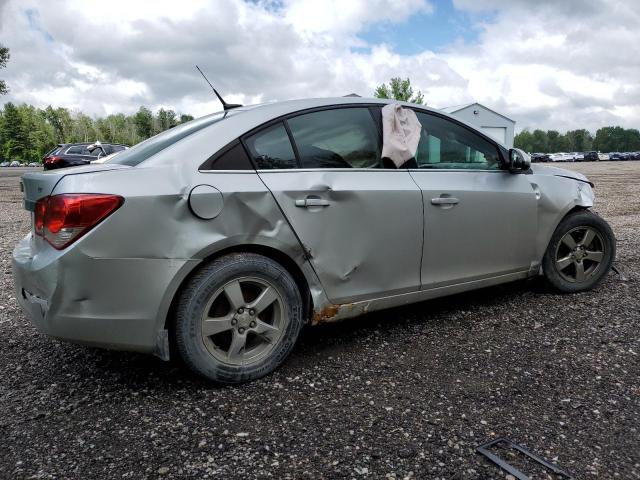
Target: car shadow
[132,370]
[423,312]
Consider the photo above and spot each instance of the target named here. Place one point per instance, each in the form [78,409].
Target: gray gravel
[405,393]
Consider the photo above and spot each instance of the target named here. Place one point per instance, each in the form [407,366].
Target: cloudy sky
[547,64]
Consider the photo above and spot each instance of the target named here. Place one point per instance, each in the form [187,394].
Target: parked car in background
[76,154]
[561,157]
[634,156]
[591,157]
[539,157]
[15,163]
[5,164]
[577,156]
[34,164]
[224,236]
[616,156]
[603,156]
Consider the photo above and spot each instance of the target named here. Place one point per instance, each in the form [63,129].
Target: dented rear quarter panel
[154,241]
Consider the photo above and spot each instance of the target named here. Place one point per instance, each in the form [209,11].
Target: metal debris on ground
[616,269]
[484,449]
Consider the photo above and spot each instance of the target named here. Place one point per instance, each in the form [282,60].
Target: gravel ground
[404,393]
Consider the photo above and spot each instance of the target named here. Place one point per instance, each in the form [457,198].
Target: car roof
[276,109]
[255,115]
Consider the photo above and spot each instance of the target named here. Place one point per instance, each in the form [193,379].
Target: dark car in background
[540,157]
[591,157]
[76,154]
[617,156]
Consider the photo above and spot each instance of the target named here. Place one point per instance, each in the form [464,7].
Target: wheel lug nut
[240,310]
[241,330]
[253,324]
[252,312]
[233,321]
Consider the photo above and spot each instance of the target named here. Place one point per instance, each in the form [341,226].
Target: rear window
[55,151]
[145,150]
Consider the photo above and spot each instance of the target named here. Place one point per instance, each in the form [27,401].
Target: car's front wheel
[238,318]
[580,253]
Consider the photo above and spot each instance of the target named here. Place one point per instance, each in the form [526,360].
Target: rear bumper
[105,302]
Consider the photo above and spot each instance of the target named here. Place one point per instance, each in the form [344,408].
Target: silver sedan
[226,235]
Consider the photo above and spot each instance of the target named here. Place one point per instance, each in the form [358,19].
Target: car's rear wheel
[238,318]
[580,253]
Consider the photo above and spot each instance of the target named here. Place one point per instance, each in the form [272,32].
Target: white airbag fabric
[400,133]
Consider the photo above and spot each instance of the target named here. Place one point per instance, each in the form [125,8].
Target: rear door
[480,220]
[360,224]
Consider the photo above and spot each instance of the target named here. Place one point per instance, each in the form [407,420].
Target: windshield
[144,150]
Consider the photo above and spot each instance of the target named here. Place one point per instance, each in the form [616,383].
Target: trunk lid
[36,185]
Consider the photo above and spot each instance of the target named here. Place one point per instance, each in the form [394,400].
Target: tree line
[27,133]
[606,139]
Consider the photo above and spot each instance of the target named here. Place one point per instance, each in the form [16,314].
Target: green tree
[165,119]
[631,140]
[557,142]
[62,123]
[524,140]
[609,139]
[540,141]
[40,137]
[15,133]
[579,140]
[4,58]
[27,132]
[399,89]
[143,121]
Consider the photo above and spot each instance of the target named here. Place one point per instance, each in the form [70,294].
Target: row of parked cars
[71,154]
[18,163]
[583,156]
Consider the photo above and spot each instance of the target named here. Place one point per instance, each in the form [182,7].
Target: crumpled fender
[560,192]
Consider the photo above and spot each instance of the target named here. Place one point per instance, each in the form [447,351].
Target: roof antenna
[226,106]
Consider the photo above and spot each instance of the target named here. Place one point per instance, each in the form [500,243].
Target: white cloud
[550,64]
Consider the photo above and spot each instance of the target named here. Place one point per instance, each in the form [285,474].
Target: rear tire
[238,318]
[580,253]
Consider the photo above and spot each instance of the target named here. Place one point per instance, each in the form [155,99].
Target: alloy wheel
[579,254]
[243,321]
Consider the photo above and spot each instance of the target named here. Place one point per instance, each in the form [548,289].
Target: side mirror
[518,160]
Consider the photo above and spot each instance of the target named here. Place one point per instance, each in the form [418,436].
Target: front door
[480,220]
[360,224]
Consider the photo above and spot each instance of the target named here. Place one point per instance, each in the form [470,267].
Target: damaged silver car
[226,235]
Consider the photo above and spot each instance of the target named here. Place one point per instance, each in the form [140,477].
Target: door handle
[444,201]
[311,202]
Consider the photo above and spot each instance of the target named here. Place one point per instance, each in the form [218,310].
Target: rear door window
[336,138]
[75,150]
[270,148]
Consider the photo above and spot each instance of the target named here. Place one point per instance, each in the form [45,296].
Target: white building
[492,123]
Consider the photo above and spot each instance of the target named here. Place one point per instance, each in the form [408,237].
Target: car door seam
[424,221]
[307,254]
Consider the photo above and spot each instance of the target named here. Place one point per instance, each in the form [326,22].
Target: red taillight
[62,219]
[52,160]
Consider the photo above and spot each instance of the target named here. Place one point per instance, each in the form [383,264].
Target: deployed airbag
[400,134]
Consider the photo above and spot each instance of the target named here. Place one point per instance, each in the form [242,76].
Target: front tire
[238,318]
[580,253]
